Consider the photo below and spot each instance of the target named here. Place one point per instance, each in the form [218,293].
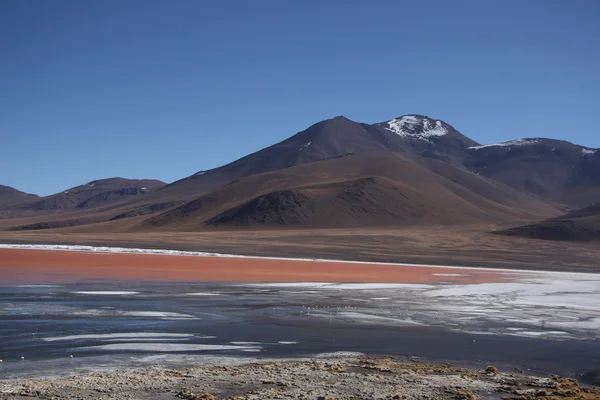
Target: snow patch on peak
[410,126]
[519,142]
[200,173]
[585,152]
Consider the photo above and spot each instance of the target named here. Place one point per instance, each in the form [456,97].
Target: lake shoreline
[58,266]
[334,378]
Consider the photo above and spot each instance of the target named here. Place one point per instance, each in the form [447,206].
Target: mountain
[91,195]
[332,138]
[581,224]
[11,195]
[554,170]
[377,188]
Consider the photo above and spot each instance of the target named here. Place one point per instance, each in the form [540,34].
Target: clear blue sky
[162,89]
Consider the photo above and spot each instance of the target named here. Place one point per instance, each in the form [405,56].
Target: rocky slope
[579,225]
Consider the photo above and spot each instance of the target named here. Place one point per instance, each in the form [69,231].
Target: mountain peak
[339,118]
[416,127]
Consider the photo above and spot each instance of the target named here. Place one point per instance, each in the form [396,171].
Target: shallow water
[543,322]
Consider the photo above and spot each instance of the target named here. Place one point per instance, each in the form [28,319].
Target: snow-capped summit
[426,137]
[518,142]
[416,127]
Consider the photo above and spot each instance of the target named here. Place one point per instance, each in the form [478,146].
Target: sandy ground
[345,378]
[19,266]
[470,246]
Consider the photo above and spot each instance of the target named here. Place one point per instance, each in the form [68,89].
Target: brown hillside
[577,225]
[375,188]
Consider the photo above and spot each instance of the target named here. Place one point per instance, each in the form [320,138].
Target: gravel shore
[345,378]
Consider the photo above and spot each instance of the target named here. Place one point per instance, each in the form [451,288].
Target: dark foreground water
[112,325]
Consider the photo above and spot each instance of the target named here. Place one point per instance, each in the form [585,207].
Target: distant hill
[11,195]
[577,225]
[91,195]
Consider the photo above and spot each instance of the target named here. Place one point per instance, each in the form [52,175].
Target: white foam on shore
[290,284]
[377,318]
[106,293]
[342,286]
[455,275]
[286,342]
[145,340]
[107,249]
[340,354]
[377,286]
[165,347]
[125,335]
[29,309]
[38,286]
[156,314]
[94,312]
[539,333]
[202,294]
[246,343]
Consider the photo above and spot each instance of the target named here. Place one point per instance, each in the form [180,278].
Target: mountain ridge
[9,195]
[347,191]
[90,195]
[556,173]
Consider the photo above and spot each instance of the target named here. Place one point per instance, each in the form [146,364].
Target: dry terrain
[321,379]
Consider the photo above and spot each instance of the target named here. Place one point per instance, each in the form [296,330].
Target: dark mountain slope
[11,195]
[374,188]
[581,224]
[326,139]
[284,207]
[551,169]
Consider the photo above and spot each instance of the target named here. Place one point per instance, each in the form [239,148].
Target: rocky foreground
[349,378]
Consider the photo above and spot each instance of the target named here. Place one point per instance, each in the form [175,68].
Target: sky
[163,89]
